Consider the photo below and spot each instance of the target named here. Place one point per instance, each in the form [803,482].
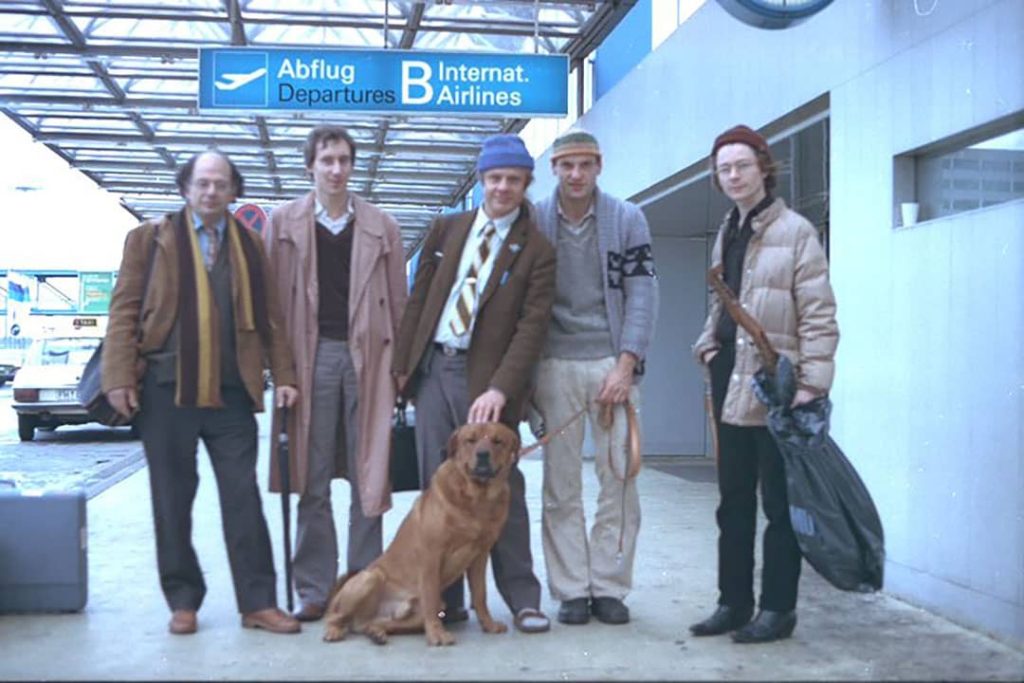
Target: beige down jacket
[786,288]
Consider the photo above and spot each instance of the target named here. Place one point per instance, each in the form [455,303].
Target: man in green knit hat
[606,301]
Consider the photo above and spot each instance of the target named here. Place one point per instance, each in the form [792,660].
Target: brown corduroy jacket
[124,349]
[512,317]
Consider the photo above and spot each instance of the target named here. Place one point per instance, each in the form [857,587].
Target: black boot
[768,626]
[575,611]
[724,619]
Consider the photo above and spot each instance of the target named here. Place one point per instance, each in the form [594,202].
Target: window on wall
[980,168]
[668,15]
[803,171]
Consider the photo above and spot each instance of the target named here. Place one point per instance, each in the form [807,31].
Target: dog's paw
[492,626]
[333,634]
[378,634]
[439,636]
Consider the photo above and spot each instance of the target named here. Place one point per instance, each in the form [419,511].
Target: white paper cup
[909,211]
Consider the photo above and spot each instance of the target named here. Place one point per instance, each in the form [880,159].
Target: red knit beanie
[744,134]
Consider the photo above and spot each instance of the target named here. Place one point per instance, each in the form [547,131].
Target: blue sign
[383,81]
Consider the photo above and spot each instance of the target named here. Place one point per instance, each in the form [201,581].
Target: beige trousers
[578,566]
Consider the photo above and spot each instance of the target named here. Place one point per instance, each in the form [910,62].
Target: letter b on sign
[416,88]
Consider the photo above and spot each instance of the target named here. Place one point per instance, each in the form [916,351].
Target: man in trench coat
[339,269]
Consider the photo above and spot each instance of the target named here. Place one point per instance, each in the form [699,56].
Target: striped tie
[211,245]
[465,306]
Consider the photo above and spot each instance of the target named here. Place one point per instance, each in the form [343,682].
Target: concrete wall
[929,391]
[674,421]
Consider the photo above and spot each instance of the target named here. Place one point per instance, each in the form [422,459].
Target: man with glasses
[773,261]
[193,318]
[470,337]
[339,269]
[603,320]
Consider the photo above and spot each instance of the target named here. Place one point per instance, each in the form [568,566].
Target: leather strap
[606,418]
[769,355]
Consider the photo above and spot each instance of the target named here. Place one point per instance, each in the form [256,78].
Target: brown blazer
[512,319]
[123,362]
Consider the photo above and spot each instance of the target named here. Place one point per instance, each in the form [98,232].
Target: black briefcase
[43,565]
[405,466]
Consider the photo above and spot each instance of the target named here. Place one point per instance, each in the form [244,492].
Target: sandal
[530,620]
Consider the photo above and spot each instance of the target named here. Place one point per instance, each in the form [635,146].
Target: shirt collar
[321,212]
[589,214]
[219,227]
[734,215]
[502,225]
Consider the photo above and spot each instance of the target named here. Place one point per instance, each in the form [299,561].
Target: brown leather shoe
[271,619]
[309,611]
[183,622]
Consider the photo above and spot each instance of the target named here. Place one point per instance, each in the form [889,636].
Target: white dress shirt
[444,334]
[334,225]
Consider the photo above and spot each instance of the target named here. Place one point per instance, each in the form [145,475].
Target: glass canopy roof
[110,85]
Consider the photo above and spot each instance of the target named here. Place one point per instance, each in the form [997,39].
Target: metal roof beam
[465,149]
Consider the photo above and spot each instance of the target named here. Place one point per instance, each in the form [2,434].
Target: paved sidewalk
[122,632]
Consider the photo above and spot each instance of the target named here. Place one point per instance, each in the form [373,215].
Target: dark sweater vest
[334,272]
[164,363]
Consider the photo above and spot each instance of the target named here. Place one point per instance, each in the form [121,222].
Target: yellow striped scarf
[198,371]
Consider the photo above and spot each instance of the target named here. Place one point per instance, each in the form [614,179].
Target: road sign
[384,81]
[94,290]
[251,216]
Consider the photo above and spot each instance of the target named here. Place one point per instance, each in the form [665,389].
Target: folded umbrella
[284,469]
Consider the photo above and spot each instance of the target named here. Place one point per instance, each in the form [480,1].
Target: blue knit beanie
[503,151]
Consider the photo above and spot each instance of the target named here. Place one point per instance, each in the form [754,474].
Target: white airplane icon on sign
[236,81]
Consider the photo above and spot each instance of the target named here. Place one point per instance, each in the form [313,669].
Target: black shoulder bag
[90,386]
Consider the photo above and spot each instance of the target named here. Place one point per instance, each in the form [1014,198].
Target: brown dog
[450,529]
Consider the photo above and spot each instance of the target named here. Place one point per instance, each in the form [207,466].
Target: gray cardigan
[627,263]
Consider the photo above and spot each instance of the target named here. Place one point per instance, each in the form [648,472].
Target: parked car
[7,372]
[10,361]
[46,386]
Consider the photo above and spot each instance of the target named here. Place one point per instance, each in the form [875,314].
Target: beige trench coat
[786,288]
[376,301]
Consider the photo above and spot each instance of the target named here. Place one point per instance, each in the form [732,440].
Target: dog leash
[606,420]
[543,441]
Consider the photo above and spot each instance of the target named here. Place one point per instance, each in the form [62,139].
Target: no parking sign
[252,217]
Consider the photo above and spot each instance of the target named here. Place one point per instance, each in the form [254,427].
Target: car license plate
[58,395]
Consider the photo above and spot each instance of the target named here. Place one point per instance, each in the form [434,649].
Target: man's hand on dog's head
[487,407]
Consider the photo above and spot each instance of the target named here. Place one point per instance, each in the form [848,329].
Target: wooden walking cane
[284,469]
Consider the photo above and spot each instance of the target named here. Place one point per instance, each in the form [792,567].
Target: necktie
[465,305]
[211,246]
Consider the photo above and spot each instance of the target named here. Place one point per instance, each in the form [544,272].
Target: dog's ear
[453,444]
[517,445]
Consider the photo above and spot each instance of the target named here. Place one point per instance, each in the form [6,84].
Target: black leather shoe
[454,615]
[724,619]
[575,611]
[766,627]
[610,610]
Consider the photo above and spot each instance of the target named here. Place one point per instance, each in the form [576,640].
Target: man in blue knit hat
[471,334]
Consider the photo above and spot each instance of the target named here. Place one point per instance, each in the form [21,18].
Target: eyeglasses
[218,185]
[740,166]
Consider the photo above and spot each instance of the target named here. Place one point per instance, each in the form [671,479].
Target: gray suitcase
[43,566]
